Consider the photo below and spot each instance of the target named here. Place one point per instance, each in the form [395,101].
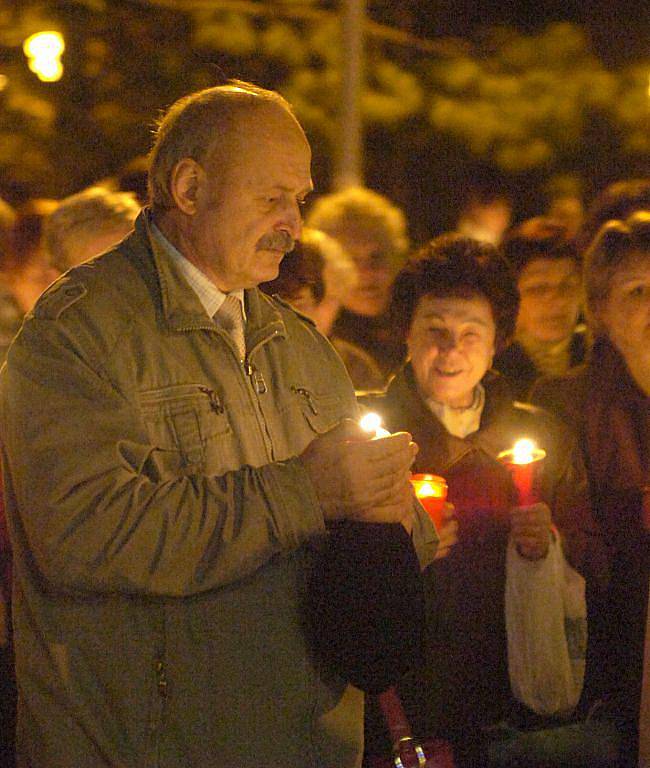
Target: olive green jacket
[162,524]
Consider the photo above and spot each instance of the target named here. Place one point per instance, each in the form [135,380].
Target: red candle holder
[524,461]
[431,491]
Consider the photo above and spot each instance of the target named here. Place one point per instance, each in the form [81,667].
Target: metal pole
[349,170]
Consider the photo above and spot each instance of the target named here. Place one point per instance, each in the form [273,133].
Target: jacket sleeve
[582,537]
[74,446]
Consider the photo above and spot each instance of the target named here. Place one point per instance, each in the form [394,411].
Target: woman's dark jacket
[612,419]
[464,683]
[518,367]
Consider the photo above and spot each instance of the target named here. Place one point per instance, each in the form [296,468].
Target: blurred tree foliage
[526,105]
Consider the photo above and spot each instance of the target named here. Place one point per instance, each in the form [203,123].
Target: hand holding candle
[359,479]
[530,521]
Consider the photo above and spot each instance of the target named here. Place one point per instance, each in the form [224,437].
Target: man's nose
[291,221]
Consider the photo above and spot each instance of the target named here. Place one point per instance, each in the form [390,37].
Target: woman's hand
[530,530]
[448,531]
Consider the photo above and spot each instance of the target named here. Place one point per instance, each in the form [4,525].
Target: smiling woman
[455,304]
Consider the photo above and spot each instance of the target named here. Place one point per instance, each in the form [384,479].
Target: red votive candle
[524,461]
[431,491]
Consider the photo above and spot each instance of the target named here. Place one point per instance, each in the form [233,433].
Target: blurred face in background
[34,277]
[451,343]
[372,259]
[27,271]
[84,244]
[304,301]
[551,296]
[625,315]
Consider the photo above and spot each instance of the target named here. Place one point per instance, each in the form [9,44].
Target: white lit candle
[371,422]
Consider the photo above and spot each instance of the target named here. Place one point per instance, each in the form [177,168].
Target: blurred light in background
[43,51]
[4,82]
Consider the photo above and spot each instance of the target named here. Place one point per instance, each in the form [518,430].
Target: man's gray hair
[91,211]
[195,126]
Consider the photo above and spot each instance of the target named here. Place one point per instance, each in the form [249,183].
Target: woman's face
[625,313]
[550,299]
[451,346]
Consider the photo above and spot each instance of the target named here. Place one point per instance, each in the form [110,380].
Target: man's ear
[185,183]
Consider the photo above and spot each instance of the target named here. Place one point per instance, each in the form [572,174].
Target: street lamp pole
[349,170]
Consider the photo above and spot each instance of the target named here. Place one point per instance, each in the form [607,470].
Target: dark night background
[435,122]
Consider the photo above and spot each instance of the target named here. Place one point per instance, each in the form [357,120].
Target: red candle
[431,491]
[524,461]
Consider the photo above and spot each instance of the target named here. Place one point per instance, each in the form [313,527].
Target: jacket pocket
[322,411]
[182,421]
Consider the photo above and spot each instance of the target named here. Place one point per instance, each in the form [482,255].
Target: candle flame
[427,489]
[429,486]
[523,451]
[371,422]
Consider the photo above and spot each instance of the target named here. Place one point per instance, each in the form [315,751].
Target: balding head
[202,126]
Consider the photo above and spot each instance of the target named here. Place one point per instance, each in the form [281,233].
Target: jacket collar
[181,308]
[431,432]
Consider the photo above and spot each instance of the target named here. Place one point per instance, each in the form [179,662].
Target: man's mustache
[276,241]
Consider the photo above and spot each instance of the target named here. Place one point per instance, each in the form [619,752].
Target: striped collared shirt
[209,295]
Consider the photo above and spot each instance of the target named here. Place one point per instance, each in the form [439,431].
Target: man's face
[550,299]
[451,346]
[371,294]
[248,203]
[626,311]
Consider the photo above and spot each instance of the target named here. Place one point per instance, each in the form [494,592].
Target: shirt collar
[460,422]
[209,295]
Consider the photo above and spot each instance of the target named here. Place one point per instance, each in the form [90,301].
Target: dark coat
[612,418]
[464,684]
[516,365]
[375,336]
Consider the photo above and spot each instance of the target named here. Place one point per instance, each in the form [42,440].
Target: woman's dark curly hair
[455,265]
[538,238]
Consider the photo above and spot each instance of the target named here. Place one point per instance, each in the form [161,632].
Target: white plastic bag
[546,624]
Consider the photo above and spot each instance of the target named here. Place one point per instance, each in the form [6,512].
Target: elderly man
[173,443]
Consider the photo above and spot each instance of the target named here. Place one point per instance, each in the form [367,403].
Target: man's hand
[357,478]
[530,530]
[448,532]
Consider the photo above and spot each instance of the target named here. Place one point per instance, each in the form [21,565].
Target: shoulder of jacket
[59,297]
[94,283]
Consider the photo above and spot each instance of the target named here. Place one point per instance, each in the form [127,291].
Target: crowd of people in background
[480,335]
